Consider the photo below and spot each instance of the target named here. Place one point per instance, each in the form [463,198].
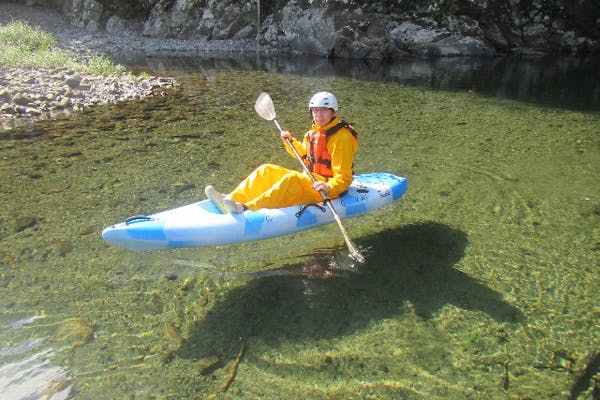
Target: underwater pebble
[64,246]
[167,357]
[86,230]
[207,364]
[24,222]
[171,276]
[76,331]
[172,334]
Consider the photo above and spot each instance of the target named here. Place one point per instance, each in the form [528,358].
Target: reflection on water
[34,378]
[481,283]
[569,82]
[27,370]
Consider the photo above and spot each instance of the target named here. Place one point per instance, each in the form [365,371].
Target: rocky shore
[29,94]
[44,93]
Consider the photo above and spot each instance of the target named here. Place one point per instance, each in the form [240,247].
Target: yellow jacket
[342,147]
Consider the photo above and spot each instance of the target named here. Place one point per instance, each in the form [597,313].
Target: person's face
[322,116]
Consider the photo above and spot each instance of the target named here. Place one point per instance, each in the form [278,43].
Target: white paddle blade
[264,107]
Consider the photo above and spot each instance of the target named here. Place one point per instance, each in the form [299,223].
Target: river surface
[482,283]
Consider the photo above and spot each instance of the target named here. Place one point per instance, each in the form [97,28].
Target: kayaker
[328,149]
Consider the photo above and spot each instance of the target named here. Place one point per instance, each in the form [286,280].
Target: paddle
[266,109]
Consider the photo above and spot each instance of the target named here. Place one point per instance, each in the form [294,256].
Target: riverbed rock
[208,364]
[24,222]
[75,331]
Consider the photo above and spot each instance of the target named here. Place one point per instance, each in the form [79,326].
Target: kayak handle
[304,208]
[138,218]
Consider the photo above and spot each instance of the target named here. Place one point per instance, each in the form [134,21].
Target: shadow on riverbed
[413,264]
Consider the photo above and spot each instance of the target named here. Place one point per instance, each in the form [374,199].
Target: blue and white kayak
[203,224]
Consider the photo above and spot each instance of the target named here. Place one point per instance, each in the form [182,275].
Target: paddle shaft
[299,158]
[351,246]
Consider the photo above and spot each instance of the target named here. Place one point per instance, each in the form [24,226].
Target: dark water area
[552,81]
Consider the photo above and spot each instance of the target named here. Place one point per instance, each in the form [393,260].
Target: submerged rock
[75,331]
[208,364]
[24,222]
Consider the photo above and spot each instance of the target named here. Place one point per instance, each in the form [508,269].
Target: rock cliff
[385,29]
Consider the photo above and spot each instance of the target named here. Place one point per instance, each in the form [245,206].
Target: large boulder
[299,30]
[215,20]
[325,31]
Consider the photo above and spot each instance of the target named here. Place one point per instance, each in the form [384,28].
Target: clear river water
[482,283]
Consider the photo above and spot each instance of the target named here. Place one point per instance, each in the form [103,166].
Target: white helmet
[323,99]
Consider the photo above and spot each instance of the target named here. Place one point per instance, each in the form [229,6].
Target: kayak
[203,224]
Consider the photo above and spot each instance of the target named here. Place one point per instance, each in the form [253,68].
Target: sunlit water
[482,283]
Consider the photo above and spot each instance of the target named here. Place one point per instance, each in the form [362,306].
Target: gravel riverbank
[28,94]
[44,93]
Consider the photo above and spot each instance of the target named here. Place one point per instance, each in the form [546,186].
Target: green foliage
[25,37]
[103,66]
[30,47]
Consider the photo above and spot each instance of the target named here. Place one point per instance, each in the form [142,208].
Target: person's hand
[286,135]
[321,187]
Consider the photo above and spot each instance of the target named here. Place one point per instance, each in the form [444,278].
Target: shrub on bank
[29,46]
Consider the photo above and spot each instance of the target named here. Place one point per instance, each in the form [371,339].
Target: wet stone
[208,364]
[76,331]
[172,334]
[64,247]
[73,81]
[24,222]
[4,95]
[21,99]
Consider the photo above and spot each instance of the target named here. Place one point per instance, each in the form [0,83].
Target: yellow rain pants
[272,186]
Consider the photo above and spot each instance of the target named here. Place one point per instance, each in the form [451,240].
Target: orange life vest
[318,158]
